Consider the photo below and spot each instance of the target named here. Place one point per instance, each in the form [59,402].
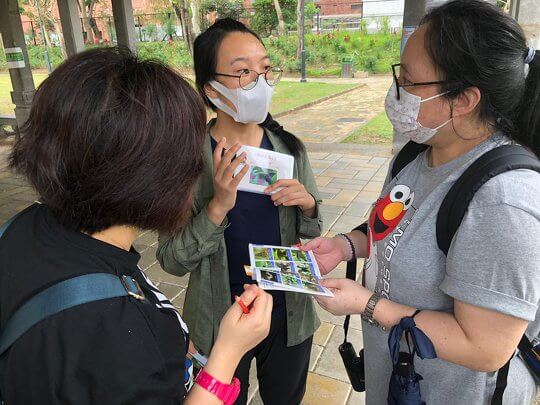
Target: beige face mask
[403,114]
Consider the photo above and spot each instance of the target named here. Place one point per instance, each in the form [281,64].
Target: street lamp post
[302,43]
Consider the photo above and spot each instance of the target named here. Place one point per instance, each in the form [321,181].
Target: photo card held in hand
[265,168]
[286,269]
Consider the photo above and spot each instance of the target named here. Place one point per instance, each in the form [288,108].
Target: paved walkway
[333,120]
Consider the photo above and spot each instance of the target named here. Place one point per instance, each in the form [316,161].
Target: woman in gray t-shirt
[467,83]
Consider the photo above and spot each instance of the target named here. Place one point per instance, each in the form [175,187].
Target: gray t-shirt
[493,262]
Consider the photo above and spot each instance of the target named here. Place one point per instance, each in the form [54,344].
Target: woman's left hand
[292,193]
[349,297]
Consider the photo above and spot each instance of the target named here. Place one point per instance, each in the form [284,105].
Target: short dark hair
[205,56]
[114,140]
[473,43]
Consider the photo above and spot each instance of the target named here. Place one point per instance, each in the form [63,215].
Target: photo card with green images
[286,269]
[265,168]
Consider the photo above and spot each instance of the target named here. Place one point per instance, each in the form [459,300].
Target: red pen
[244,307]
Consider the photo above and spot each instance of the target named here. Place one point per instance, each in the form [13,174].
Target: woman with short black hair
[113,145]
[468,85]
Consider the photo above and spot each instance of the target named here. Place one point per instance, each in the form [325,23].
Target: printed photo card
[265,168]
[286,269]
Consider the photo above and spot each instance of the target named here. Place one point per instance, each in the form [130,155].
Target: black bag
[453,208]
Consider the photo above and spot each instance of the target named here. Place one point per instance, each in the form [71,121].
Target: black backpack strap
[454,206]
[497,161]
[502,375]
[406,155]
[64,295]
[500,385]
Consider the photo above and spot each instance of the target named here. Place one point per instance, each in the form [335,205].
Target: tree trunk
[47,39]
[95,28]
[92,21]
[281,23]
[88,29]
[86,22]
[49,25]
[299,11]
[196,16]
[182,13]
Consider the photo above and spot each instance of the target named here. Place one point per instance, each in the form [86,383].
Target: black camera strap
[351,275]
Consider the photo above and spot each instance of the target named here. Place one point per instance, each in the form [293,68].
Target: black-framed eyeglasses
[396,72]
[248,78]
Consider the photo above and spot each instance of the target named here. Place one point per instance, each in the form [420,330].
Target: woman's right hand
[239,332]
[225,182]
[329,252]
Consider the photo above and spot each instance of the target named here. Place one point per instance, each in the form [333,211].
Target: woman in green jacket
[235,78]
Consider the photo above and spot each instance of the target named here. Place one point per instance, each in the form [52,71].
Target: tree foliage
[265,20]
[224,8]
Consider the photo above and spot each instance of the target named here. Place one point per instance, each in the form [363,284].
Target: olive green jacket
[199,249]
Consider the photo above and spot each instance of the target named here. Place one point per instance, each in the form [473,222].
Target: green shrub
[373,53]
[36,54]
[292,66]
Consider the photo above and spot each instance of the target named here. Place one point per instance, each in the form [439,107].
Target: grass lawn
[287,95]
[377,131]
[5,91]
[293,94]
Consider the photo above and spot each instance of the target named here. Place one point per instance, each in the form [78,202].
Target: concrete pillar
[71,26]
[21,77]
[527,12]
[124,23]
[413,12]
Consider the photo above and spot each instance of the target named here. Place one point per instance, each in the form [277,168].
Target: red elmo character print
[384,218]
[389,211]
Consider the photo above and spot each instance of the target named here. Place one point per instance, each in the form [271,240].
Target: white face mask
[403,114]
[251,106]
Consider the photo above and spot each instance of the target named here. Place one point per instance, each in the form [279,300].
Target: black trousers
[281,370]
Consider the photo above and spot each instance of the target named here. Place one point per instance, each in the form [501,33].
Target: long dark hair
[205,51]
[474,43]
[114,140]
